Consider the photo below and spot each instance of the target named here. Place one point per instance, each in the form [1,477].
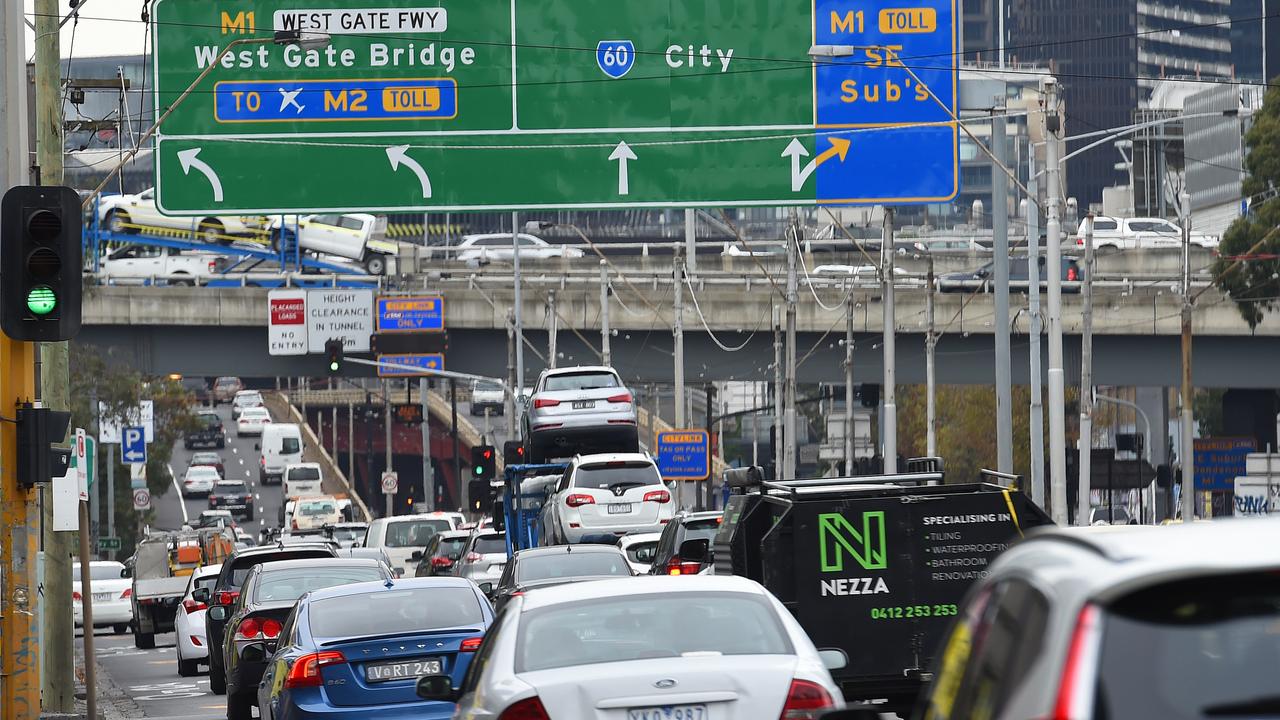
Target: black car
[983,279]
[198,387]
[441,553]
[556,565]
[232,495]
[266,598]
[684,527]
[208,431]
[227,589]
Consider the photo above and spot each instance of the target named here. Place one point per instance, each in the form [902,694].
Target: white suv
[603,497]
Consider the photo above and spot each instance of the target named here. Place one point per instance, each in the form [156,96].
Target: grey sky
[107,27]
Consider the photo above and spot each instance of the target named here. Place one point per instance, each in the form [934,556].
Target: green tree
[96,380]
[1254,283]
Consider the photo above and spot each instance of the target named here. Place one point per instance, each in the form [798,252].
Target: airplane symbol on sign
[289,97]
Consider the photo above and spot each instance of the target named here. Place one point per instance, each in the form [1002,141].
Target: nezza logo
[837,537]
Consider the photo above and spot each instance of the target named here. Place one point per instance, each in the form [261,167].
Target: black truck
[874,566]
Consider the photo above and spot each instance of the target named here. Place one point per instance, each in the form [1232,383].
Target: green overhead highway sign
[499,104]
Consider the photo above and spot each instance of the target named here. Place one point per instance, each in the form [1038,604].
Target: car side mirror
[436,687]
[218,612]
[254,652]
[486,588]
[695,550]
[834,658]
[124,573]
[415,556]
[201,595]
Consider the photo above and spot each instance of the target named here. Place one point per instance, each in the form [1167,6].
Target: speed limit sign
[141,499]
[390,483]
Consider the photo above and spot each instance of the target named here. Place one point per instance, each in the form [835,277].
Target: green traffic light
[41,300]
[333,366]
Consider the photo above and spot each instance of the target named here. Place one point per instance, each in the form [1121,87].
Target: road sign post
[711,103]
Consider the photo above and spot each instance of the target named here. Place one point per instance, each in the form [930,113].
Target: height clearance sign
[506,104]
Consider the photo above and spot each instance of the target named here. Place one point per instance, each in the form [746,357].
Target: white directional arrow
[839,149]
[133,455]
[398,155]
[189,160]
[622,154]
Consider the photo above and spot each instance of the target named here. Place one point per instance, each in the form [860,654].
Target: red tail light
[195,640]
[545,402]
[527,709]
[1075,691]
[128,593]
[658,496]
[677,567]
[192,606]
[270,629]
[473,557]
[441,561]
[805,701]
[1072,274]
[623,398]
[249,629]
[75,596]
[470,645]
[213,500]
[306,669]
[227,597]
[577,500]
[1080,241]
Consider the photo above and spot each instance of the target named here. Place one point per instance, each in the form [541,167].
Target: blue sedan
[357,650]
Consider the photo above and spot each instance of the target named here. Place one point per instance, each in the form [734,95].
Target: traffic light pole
[428,474]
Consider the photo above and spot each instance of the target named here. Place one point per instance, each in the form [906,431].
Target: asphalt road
[240,459]
[149,679]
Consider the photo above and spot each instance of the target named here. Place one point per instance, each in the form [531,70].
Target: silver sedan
[716,648]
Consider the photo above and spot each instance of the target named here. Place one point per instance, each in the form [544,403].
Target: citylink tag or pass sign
[510,104]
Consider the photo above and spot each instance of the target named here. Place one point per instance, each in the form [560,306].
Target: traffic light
[869,393]
[333,355]
[40,261]
[483,462]
[38,430]
[513,452]
[481,495]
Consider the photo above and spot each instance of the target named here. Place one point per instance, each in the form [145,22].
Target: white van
[302,480]
[404,536]
[281,447]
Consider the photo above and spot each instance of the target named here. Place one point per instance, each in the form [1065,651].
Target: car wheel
[120,629]
[217,680]
[183,281]
[188,668]
[118,222]
[248,516]
[144,641]
[376,264]
[210,230]
[186,444]
[238,707]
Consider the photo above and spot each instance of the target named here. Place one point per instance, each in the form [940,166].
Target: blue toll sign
[884,99]
[1218,461]
[428,361]
[302,100]
[408,314]
[684,454]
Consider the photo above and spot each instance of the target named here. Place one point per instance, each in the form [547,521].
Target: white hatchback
[603,497]
[715,648]
[189,628]
[243,400]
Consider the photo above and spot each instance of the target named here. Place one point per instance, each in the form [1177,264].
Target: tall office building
[1184,39]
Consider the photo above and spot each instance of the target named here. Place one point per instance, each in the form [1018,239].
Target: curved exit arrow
[795,150]
[189,160]
[399,155]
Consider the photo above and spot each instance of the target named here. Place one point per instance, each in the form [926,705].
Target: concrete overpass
[212,331]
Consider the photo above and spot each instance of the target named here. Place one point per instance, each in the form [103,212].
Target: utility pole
[606,357]
[1057,376]
[386,416]
[1084,484]
[428,474]
[1187,452]
[553,327]
[351,444]
[1036,424]
[930,376]
[677,330]
[890,420]
[518,322]
[789,382]
[690,240]
[778,363]
[848,383]
[1000,233]
[511,373]
[463,488]
[57,676]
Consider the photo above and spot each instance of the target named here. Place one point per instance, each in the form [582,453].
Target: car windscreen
[622,628]
[451,547]
[249,399]
[348,533]
[571,564]
[317,509]
[229,488]
[289,585]
[486,386]
[290,445]
[206,459]
[580,381]
[97,572]
[489,544]
[616,475]
[699,529]
[304,473]
[414,533]
[386,612]
[1194,648]
[209,420]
